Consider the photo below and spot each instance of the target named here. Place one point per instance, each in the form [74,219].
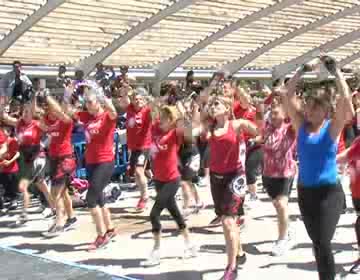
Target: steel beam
[165,68]
[234,66]
[282,69]
[26,24]
[89,63]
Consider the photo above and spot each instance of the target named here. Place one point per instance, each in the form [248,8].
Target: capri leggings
[165,199]
[99,175]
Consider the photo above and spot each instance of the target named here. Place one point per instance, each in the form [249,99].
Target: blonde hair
[169,112]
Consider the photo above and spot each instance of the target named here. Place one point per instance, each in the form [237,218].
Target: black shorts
[277,186]
[228,192]
[189,165]
[204,151]
[61,170]
[356,203]
[253,165]
[139,158]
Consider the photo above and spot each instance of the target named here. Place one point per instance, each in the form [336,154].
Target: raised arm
[289,99]
[58,110]
[242,125]
[344,108]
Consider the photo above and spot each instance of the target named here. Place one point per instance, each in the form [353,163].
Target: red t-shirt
[28,134]
[138,126]
[279,147]
[13,148]
[353,157]
[164,154]
[60,133]
[99,134]
[241,113]
[3,137]
[341,145]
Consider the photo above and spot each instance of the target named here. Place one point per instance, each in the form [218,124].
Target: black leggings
[99,175]
[356,202]
[321,208]
[165,199]
[10,183]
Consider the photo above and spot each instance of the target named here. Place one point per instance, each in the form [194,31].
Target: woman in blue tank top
[320,196]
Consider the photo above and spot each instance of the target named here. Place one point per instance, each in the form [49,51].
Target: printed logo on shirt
[195,163]
[137,120]
[238,186]
[141,159]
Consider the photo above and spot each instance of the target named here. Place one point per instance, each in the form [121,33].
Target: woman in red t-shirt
[138,133]
[9,169]
[166,141]
[59,125]
[227,174]
[99,122]
[32,159]
[352,157]
[3,153]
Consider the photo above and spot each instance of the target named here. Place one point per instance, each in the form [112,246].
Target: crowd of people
[219,131]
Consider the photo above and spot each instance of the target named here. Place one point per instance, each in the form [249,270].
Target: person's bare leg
[195,194]
[186,189]
[68,204]
[231,239]
[141,181]
[56,193]
[107,218]
[281,206]
[98,219]
[42,186]
[23,188]
[252,189]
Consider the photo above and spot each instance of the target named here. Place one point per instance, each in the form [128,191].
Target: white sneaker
[190,251]
[153,260]
[281,247]
[204,181]
[48,213]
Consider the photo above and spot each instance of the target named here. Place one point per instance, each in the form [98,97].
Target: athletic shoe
[39,209]
[111,233]
[23,218]
[13,205]
[199,207]
[48,213]
[3,212]
[240,260]
[253,197]
[99,242]
[229,274]
[54,231]
[216,221]
[355,269]
[187,212]
[153,260]
[204,182]
[281,247]
[141,204]
[70,223]
[190,251]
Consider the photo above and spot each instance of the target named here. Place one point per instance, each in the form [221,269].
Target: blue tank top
[317,157]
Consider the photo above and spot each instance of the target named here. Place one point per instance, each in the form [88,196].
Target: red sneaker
[141,204]
[99,242]
[111,233]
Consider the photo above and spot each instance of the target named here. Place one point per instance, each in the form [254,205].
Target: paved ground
[133,245]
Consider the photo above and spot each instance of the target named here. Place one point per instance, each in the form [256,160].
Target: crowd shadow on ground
[60,247]
[175,275]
